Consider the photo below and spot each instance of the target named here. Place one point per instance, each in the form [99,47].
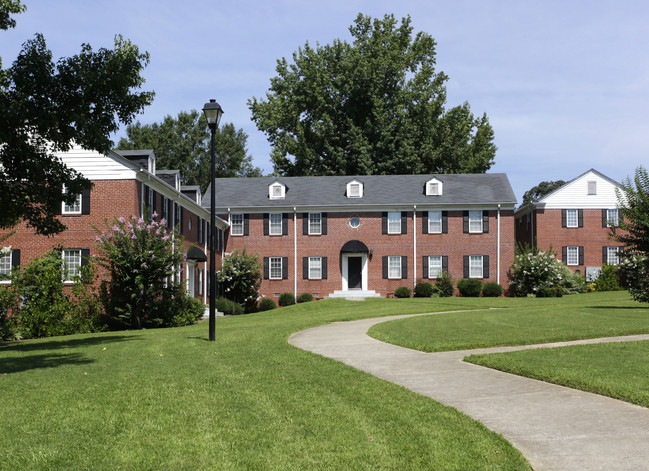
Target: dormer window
[433,187]
[276,191]
[354,189]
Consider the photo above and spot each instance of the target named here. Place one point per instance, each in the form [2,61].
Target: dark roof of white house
[378,190]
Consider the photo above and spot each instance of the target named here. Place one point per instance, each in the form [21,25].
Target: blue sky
[565,83]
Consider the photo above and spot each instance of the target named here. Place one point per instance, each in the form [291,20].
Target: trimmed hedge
[469,287]
[492,290]
[424,290]
[402,292]
[286,299]
[305,298]
[266,304]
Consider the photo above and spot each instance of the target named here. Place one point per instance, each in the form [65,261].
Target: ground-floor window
[71,263]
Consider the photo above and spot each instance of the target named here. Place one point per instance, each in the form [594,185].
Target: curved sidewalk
[555,427]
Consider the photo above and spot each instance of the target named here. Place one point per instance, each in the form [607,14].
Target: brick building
[576,221]
[368,235]
[124,184]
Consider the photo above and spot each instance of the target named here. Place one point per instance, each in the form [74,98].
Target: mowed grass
[522,321]
[619,370]
[171,400]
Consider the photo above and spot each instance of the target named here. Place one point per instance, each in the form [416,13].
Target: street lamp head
[213,113]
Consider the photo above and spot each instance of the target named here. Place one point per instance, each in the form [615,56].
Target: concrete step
[354,294]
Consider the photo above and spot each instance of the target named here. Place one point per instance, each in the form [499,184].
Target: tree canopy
[539,191]
[183,143]
[48,107]
[375,106]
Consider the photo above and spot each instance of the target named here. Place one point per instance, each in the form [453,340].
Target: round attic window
[354,222]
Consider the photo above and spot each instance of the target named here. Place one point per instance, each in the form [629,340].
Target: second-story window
[74,208]
[394,223]
[275,224]
[475,221]
[315,223]
[236,229]
[572,218]
[612,217]
[434,222]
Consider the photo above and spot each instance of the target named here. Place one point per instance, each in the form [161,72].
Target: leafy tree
[540,190]
[240,278]
[633,201]
[183,143]
[47,106]
[376,106]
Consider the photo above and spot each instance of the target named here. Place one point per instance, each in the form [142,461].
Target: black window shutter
[384,223]
[305,223]
[564,255]
[180,226]
[385,267]
[604,217]
[85,256]
[444,263]
[424,222]
[305,268]
[404,267]
[580,213]
[424,264]
[485,266]
[266,223]
[466,266]
[15,258]
[284,223]
[323,224]
[154,196]
[444,222]
[169,224]
[485,221]
[246,224]
[284,268]
[466,223]
[604,254]
[266,263]
[324,268]
[85,201]
[219,233]
[404,222]
[564,222]
[581,255]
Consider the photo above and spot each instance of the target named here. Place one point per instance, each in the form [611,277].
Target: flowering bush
[240,278]
[533,270]
[141,258]
[633,271]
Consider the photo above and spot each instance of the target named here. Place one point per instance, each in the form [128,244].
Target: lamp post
[213,113]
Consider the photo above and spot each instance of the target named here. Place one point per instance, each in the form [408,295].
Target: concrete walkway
[555,427]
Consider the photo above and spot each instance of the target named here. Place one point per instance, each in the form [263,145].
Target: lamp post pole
[213,113]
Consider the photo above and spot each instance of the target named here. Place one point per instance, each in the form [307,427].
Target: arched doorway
[354,258]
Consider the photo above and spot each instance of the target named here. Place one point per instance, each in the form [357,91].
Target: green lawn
[169,399]
[619,370]
[521,321]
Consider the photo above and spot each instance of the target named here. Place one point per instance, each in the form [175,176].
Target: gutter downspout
[295,252]
[498,249]
[414,248]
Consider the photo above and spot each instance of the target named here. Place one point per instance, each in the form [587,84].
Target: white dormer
[434,187]
[354,189]
[276,190]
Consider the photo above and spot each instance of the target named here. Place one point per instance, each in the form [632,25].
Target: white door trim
[345,268]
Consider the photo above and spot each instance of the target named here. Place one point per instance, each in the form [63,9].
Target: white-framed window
[200,281]
[612,255]
[5,263]
[433,187]
[394,222]
[74,208]
[394,267]
[236,227]
[275,224]
[475,221]
[612,217]
[276,191]
[592,187]
[475,266]
[354,222]
[165,210]
[354,189]
[275,268]
[572,255]
[434,266]
[71,263]
[434,222]
[315,268]
[572,218]
[315,223]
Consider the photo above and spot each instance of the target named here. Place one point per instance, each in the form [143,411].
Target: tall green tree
[539,191]
[375,106]
[183,143]
[48,106]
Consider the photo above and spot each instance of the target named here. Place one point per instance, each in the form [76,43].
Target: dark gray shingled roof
[378,190]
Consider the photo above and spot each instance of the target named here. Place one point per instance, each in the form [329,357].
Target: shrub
[469,287]
[178,311]
[634,275]
[444,285]
[266,304]
[547,292]
[607,279]
[305,298]
[571,282]
[240,278]
[424,290]
[226,306]
[492,290]
[402,292]
[533,270]
[8,313]
[286,299]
